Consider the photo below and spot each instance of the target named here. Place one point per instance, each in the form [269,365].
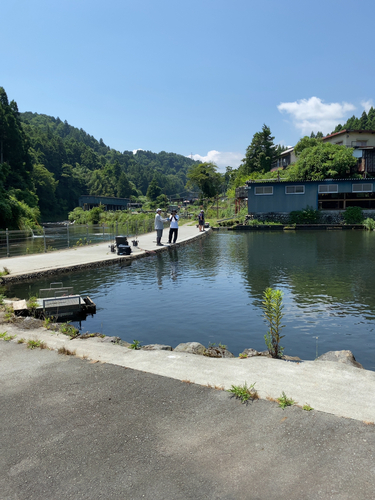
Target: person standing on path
[159,227]
[173,230]
[201,221]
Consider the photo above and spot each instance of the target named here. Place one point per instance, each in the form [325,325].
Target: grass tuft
[34,344]
[70,330]
[307,407]
[6,337]
[67,352]
[244,392]
[5,272]
[284,401]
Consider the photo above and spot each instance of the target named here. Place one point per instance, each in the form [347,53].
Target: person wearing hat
[201,221]
[173,230]
[159,226]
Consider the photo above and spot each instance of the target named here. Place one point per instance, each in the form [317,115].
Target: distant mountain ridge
[69,162]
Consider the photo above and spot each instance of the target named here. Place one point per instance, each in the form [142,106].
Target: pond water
[211,291]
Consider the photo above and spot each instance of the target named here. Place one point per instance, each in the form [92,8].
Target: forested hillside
[83,165]
[366,122]
[46,164]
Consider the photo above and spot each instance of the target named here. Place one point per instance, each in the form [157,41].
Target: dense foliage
[306,216]
[353,215]
[82,165]
[206,177]
[18,202]
[46,164]
[323,161]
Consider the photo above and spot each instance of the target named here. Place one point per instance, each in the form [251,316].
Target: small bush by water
[353,215]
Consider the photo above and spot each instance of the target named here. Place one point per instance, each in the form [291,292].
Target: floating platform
[57,302]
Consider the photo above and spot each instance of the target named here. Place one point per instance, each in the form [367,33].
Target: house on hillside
[286,158]
[279,197]
[363,142]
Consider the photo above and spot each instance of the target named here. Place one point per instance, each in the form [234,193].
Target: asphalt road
[73,429]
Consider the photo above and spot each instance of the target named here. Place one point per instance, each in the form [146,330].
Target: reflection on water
[211,291]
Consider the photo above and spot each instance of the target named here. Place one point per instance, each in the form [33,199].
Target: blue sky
[193,77]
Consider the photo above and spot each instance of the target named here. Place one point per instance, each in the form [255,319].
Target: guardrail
[14,243]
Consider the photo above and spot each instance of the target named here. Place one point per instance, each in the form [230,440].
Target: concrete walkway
[91,255]
[327,386]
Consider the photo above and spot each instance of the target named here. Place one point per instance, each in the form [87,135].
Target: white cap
[158,209]
[201,210]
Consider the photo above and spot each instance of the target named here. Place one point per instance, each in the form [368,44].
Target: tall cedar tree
[261,153]
[13,145]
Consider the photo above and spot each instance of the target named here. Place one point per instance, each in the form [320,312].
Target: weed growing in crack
[307,407]
[137,344]
[244,393]
[34,344]
[6,337]
[67,352]
[70,330]
[284,401]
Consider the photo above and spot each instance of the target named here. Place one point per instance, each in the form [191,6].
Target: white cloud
[367,105]
[135,151]
[221,159]
[315,115]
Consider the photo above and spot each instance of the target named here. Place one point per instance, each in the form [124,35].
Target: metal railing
[14,243]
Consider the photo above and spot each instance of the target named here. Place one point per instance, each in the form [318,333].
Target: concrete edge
[15,277]
[330,387]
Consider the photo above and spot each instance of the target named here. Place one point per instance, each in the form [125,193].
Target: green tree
[45,184]
[14,145]
[363,121]
[323,161]
[206,178]
[124,187]
[305,142]
[261,153]
[153,190]
[371,119]
[273,313]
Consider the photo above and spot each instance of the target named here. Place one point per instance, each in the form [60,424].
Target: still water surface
[211,291]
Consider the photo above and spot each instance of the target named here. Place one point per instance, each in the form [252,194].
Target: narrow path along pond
[211,292]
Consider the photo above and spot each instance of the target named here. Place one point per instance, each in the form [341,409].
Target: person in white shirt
[173,230]
[159,227]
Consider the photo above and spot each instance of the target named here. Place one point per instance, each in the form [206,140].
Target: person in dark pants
[159,227]
[173,230]
[201,221]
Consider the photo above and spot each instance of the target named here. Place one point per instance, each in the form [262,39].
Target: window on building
[328,188]
[294,189]
[362,188]
[263,190]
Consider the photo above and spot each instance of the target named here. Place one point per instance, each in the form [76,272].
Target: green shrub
[353,215]
[273,312]
[369,224]
[136,345]
[306,216]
